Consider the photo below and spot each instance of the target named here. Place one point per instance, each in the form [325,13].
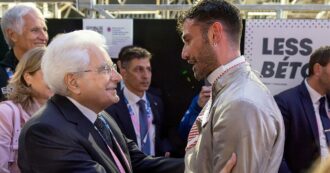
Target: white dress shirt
[315,96]
[132,101]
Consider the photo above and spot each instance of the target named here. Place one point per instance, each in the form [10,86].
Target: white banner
[280,49]
[118,32]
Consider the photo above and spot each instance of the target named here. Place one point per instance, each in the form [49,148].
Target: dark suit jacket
[302,145]
[9,61]
[60,139]
[120,114]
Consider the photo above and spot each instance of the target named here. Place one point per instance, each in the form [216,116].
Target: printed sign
[118,32]
[280,49]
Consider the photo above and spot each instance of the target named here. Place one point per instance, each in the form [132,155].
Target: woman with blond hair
[27,93]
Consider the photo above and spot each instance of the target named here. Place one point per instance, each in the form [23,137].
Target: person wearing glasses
[143,125]
[71,133]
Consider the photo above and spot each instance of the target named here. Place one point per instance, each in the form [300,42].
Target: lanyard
[135,119]
[119,165]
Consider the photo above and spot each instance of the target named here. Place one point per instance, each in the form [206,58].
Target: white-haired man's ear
[72,84]
[11,34]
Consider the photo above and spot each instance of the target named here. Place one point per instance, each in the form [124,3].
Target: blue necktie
[325,119]
[105,132]
[144,134]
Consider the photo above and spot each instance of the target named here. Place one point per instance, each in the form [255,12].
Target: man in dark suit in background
[144,126]
[306,129]
[69,134]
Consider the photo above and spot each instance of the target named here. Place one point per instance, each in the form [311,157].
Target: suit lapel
[309,110]
[119,138]
[157,122]
[154,109]
[85,128]
[125,118]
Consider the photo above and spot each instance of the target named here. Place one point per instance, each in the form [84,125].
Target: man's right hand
[230,164]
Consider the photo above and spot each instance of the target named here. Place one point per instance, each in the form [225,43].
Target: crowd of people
[66,107]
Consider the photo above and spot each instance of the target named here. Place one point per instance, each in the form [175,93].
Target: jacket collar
[228,78]
[10,60]
[68,109]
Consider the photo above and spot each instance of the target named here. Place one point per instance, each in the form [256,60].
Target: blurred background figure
[28,93]
[139,114]
[196,105]
[23,28]
[121,85]
[305,110]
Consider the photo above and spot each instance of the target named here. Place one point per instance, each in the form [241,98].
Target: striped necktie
[325,119]
[144,127]
[107,137]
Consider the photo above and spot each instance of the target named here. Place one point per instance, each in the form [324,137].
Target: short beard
[209,60]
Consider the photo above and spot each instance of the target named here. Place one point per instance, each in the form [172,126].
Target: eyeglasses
[104,69]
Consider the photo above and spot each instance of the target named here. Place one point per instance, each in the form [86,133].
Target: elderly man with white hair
[71,133]
[23,28]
